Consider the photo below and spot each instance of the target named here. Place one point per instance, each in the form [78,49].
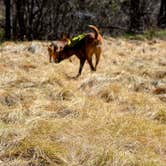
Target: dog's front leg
[98,55]
[82,62]
[50,58]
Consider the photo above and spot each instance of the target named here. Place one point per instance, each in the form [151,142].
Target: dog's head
[56,52]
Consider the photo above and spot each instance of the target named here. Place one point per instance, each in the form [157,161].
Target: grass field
[113,117]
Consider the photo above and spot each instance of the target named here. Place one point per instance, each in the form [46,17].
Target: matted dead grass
[113,117]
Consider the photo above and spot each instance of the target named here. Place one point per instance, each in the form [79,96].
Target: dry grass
[114,117]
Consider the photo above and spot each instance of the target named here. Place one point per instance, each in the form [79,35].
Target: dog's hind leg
[97,54]
[90,63]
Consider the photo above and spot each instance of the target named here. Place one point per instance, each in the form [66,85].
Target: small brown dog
[83,49]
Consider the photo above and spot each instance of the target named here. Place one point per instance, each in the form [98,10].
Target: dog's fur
[84,50]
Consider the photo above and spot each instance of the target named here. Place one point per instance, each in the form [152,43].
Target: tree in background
[141,15]
[135,16]
[8,19]
[29,18]
[162,15]
[46,19]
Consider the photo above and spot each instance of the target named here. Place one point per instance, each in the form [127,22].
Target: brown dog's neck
[66,53]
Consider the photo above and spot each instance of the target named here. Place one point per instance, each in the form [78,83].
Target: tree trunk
[162,15]
[20,16]
[135,16]
[8,20]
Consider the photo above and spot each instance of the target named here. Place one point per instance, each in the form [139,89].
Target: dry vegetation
[114,117]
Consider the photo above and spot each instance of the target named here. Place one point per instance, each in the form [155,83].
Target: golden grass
[114,117]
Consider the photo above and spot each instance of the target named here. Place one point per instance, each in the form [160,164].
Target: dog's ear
[49,47]
[55,47]
[52,47]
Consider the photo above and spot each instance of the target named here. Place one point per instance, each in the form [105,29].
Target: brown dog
[84,50]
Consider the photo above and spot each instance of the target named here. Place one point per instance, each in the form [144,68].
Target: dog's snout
[56,61]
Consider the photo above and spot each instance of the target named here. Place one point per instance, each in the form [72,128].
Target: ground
[115,116]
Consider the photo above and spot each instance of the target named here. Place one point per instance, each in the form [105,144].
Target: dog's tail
[95,29]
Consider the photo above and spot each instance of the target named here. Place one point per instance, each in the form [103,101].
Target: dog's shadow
[71,77]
